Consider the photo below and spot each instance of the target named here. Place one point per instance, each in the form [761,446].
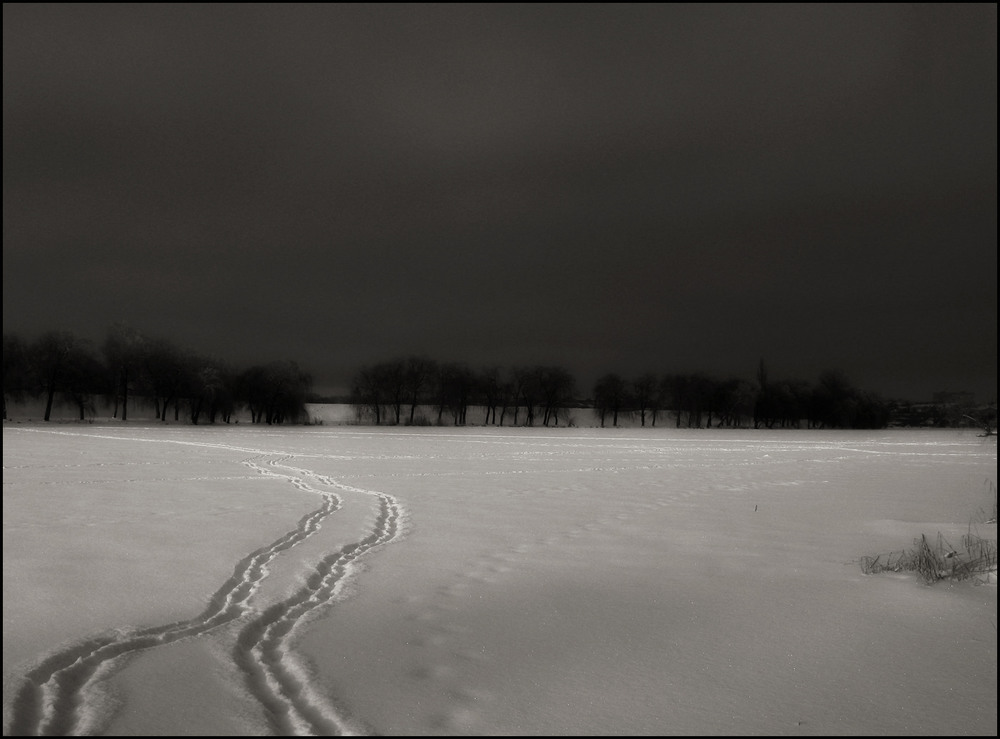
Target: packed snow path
[60,696]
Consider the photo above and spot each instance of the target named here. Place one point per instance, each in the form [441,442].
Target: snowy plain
[167,579]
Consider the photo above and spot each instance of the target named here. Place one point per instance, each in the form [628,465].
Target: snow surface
[182,580]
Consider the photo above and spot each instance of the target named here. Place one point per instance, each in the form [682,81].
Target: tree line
[390,392]
[129,364]
[61,367]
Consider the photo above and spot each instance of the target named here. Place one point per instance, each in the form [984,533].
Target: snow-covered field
[171,579]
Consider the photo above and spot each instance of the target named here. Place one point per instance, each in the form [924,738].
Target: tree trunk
[48,402]
[125,394]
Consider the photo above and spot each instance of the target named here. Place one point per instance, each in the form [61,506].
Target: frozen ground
[312,580]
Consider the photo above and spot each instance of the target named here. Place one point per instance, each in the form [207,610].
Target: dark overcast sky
[622,188]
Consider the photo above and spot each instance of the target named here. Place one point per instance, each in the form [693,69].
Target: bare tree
[674,391]
[123,351]
[528,382]
[392,375]
[610,396]
[556,386]
[367,394]
[733,401]
[490,388]
[509,394]
[64,364]
[645,397]
[275,392]
[455,387]
[211,389]
[418,379]
[82,380]
[167,371]
[51,355]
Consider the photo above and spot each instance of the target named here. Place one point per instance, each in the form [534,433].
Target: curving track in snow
[60,695]
[263,650]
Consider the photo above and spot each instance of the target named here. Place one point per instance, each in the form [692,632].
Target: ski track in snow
[60,695]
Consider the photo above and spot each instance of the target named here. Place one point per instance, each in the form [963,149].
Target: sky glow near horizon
[628,188]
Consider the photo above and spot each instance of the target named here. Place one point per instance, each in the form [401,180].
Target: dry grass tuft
[940,560]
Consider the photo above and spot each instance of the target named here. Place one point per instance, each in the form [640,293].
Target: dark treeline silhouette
[174,381]
[380,393]
[186,385]
[525,395]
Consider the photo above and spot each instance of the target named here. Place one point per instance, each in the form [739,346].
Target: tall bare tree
[53,357]
[645,397]
[167,371]
[418,380]
[455,387]
[610,396]
[123,352]
[556,387]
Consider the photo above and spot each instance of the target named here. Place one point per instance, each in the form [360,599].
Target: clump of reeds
[887,562]
[940,560]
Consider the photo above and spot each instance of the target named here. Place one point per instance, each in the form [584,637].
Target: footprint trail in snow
[61,695]
[263,651]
